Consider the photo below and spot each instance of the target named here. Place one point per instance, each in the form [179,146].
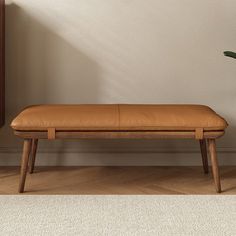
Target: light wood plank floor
[117,180]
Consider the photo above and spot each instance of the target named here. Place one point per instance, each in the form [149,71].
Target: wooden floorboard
[117,180]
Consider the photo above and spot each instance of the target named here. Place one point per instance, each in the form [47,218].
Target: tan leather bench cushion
[118,117]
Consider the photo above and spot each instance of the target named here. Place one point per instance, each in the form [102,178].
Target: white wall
[120,51]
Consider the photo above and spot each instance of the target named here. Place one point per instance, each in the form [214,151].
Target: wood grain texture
[33,155]
[117,180]
[203,147]
[26,152]
[24,164]
[2,62]
[118,134]
[214,164]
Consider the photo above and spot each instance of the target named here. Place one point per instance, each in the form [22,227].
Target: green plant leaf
[230,54]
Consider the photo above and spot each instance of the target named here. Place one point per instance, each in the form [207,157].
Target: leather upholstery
[69,117]
[169,117]
[118,117]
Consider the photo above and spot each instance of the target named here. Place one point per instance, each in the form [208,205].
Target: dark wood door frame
[2,62]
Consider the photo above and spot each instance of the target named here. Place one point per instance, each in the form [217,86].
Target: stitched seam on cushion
[126,128]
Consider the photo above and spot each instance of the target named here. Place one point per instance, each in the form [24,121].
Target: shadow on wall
[41,67]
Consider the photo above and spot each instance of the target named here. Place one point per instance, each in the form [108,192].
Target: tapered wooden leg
[203,146]
[214,164]
[24,164]
[33,155]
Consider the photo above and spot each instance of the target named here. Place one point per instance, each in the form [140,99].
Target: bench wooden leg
[214,164]
[24,163]
[33,155]
[203,146]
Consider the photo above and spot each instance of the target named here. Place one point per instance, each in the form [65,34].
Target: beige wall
[120,51]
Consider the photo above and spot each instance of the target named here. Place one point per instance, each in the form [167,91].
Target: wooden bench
[118,121]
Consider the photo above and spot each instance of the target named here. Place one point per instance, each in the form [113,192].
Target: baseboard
[70,158]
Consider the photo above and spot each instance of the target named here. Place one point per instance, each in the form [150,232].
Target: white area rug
[117,215]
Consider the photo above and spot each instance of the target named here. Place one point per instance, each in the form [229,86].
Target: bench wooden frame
[31,142]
